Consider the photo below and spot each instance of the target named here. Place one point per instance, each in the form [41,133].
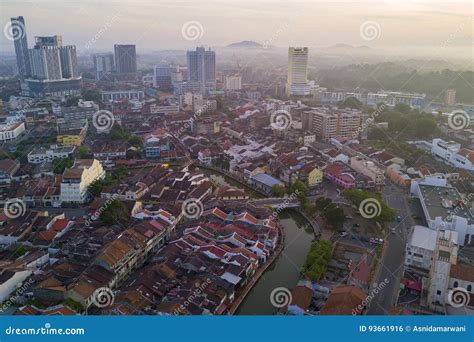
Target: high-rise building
[162,76]
[21,47]
[202,68]
[233,82]
[450,97]
[49,41]
[45,63]
[44,58]
[297,81]
[125,58]
[103,64]
[69,66]
[332,124]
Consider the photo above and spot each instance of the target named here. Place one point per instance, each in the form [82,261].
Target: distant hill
[347,46]
[245,44]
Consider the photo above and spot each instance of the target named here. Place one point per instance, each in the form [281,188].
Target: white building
[11,280]
[77,179]
[392,98]
[11,131]
[452,154]
[421,245]
[122,94]
[39,154]
[445,209]
[233,82]
[444,256]
[297,81]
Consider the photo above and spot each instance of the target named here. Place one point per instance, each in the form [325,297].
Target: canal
[285,270]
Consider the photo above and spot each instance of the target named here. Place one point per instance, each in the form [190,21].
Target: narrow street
[391,267]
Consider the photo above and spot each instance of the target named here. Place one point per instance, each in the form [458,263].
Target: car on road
[376,241]
[393,230]
[356,225]
[399,219]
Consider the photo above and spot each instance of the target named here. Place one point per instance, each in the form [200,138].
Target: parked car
[376,241]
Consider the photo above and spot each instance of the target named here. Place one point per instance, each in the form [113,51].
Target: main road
[391,266]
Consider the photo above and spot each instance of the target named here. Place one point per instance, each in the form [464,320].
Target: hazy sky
[157,25]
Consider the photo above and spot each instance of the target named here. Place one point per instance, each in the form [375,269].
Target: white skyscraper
[297,82]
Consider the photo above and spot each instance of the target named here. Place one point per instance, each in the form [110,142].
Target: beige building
[77,179]
[297,81]
[450,97]
[332,124]
[369,169]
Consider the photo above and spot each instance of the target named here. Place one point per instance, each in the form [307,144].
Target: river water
[285,270]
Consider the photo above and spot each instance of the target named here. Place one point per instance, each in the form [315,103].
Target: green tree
[356,196]
[351,102]
[278,191]
[317,260]
[84,152]
[115,212]
[72,101]
[60,164]
[425,127]
[91,95]
[402,108]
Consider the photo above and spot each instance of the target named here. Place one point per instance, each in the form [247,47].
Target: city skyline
[416,25]
[207,159]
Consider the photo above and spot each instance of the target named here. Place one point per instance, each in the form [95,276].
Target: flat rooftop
[443,201]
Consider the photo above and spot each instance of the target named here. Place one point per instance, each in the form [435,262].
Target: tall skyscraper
[103,64]
[21,47]
[125,58]
[297,82]
[202,68]
[49,68]
[69,66]
[45,58]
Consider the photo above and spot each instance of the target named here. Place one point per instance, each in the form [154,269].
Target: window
[455,284]
[438,292]
[469,288]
